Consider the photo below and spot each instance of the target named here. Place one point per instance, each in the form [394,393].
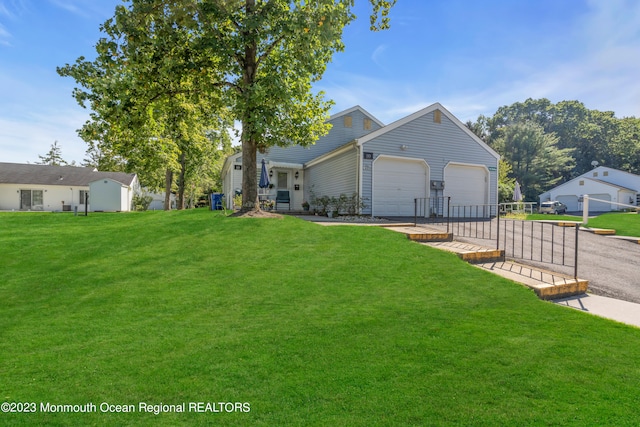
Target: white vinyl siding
[439,144]
[335,176]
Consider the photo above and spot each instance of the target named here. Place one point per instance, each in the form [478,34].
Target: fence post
[575,261]
[498,232]
[448,212]
[585,209]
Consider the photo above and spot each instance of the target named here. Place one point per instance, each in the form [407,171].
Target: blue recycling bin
[216,201]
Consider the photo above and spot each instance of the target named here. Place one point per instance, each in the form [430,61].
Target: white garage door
[466,184]
[571,201]
[596,206]
[396,183]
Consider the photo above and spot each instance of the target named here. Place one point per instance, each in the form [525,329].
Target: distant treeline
[544,144]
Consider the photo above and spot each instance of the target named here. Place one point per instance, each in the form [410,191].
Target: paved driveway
[612,266]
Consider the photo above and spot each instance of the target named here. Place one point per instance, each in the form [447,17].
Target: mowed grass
[547,217]
[309,325]
[625,223]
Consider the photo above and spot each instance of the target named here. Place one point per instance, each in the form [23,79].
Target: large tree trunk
[249,142]
[249,176]
[168,180]
[183,167]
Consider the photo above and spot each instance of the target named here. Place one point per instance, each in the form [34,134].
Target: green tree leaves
[546,143]
[536,161]
[168,71]
[53,156]
[149,89]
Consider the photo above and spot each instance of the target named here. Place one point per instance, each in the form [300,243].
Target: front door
[25,200]
[282,181]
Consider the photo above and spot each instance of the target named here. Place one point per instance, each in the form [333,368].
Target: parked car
[552,207]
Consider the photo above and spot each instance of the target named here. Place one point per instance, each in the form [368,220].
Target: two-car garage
[398,181]
[412,158]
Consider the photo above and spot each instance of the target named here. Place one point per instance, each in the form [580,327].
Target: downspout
[359,172]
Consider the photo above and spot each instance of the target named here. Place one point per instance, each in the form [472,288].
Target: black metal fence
[543,242]
[539,242]
[431,209]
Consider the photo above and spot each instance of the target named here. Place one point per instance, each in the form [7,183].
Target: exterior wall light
[297,174]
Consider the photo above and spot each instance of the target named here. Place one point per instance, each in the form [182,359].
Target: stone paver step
[546,284]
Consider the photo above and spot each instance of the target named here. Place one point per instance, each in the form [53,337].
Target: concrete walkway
[614,309]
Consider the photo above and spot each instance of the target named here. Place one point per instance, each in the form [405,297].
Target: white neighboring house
[157,200]
[602,183]
[27,187]
[429,153]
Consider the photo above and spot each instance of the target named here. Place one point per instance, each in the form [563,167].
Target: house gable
[441,140]
[436,114]
[346,126]
[614,176]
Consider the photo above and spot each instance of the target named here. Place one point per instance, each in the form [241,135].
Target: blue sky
[473,56]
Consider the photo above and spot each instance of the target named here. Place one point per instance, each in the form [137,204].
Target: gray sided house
[26,187]
[427,154]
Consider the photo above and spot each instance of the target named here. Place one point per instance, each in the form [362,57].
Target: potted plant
[334,207]
[323,202]
[305,205]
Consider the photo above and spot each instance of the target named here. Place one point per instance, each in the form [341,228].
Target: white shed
[110,195]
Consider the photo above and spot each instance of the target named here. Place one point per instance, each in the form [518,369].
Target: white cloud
[4,36]
[602,71]
[69,6]
[84,8]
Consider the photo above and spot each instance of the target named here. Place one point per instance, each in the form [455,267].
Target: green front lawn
[546,217]
[625,224]
[308,325]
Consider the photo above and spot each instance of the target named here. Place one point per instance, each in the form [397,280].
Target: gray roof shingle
[18,173]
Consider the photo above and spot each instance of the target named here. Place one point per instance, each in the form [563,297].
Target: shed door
[466,184]
[396,183]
